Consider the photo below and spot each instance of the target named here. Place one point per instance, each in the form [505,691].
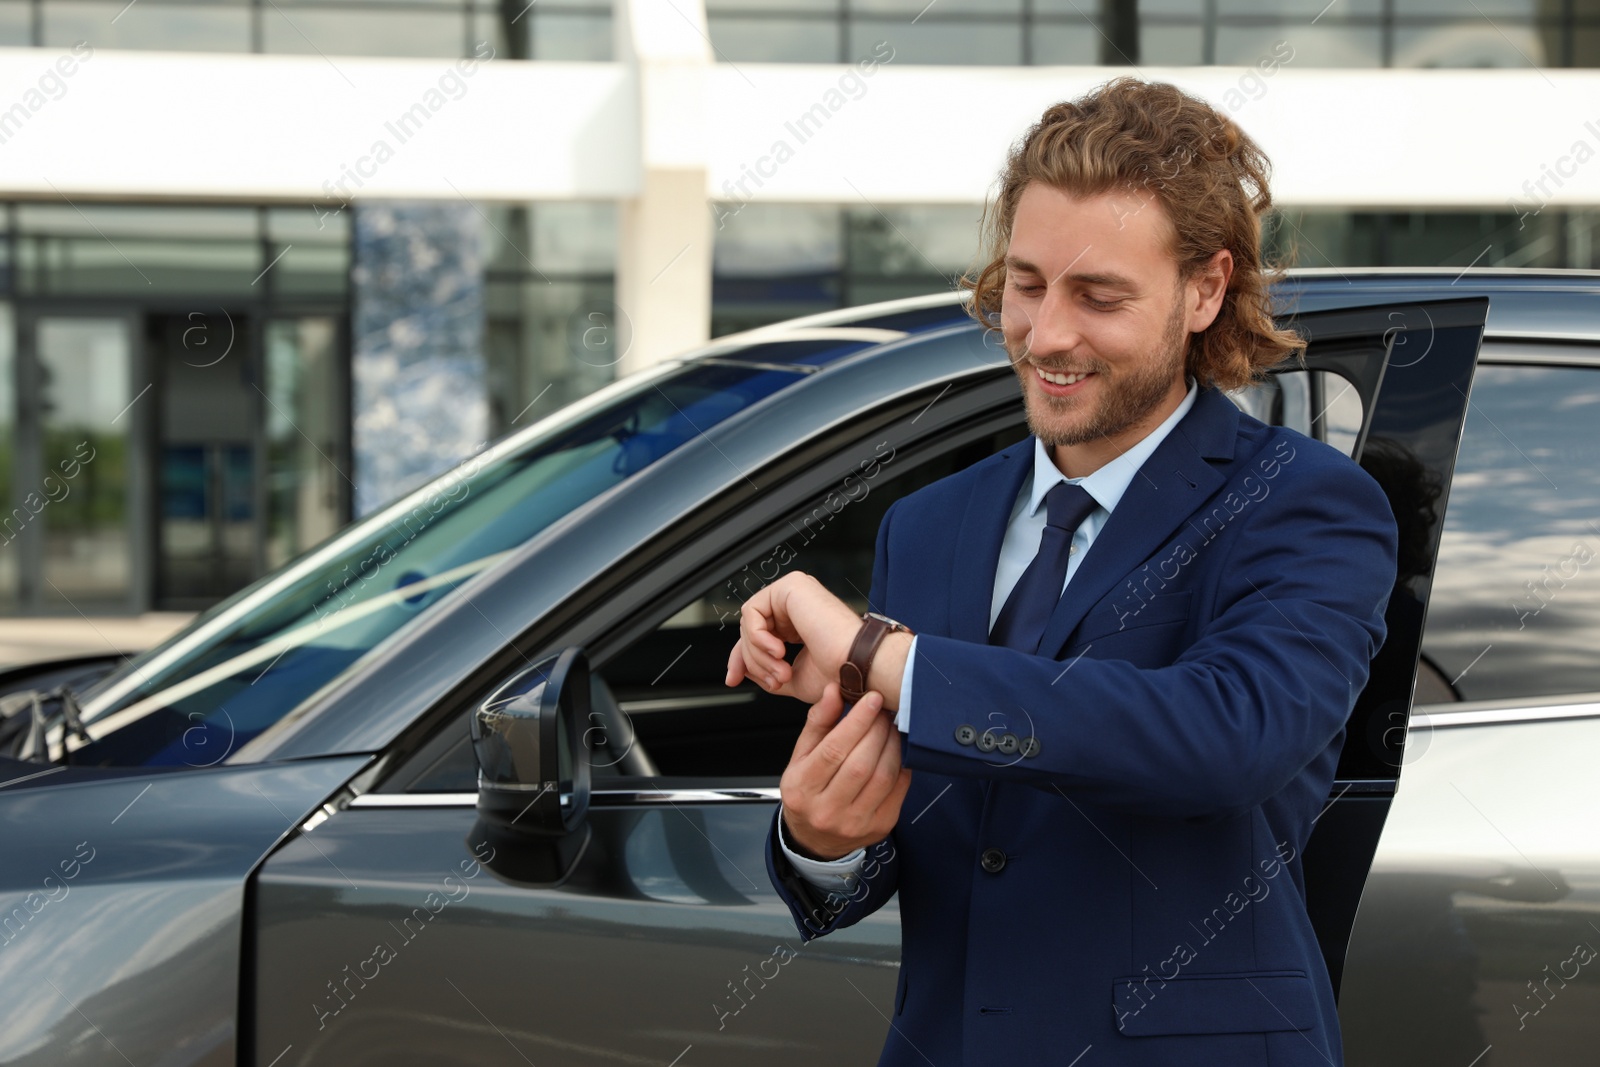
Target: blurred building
[265,264]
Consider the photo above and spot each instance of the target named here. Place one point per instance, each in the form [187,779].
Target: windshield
[252,659]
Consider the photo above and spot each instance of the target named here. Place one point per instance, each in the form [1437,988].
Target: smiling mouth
[1061,379]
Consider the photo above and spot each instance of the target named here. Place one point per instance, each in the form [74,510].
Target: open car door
[1410,368]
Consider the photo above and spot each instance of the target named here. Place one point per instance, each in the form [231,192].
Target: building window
[516,29]
[777,261]
[553,333]
[1527,237]
[1355,33]
[139,251]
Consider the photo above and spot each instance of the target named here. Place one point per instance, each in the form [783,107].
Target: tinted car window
[331,609]
[1319,404]
[1516,600]
[668,683]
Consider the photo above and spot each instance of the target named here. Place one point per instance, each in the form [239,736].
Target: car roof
[1524,303]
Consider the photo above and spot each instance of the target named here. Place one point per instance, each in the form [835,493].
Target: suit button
[965,734]
[1029,747]
[986,741]
[1008,744]
[992,860]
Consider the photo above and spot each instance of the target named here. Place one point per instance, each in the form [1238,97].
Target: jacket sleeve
[817,912]
[1295,617]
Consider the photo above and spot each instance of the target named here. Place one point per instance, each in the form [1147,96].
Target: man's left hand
[795,608]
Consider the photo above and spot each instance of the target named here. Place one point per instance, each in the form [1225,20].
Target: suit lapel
[1170,487]
[983,527]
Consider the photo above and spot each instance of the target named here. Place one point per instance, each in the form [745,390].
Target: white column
[664,235]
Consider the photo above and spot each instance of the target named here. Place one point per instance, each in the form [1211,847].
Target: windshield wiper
[71,715]
[28,742]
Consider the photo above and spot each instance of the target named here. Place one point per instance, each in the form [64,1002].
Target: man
[1134,640]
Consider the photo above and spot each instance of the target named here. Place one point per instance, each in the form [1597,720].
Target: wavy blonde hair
[1151,138]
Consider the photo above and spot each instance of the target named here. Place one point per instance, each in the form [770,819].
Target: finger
[778,684]
[771,643]
[758,665]
[886,773]
[823,716]
[763,651]
[853,775]
[889,810]
[824,760]
[782,670]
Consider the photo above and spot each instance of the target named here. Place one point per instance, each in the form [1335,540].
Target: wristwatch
[853,673]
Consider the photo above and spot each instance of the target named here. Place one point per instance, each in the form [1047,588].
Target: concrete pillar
[664,234]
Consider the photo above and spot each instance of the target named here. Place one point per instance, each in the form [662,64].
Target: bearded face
[1096,319]
[1115,396]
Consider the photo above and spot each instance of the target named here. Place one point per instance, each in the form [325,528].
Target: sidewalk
[29,639]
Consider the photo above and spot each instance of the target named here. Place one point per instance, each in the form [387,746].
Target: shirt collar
[1108,483]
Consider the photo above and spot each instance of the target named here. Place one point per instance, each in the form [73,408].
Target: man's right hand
[844,784]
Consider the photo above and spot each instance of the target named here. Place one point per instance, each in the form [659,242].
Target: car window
[1318,403]
[665,691]
[1515,612]
[669,683]
[249,661]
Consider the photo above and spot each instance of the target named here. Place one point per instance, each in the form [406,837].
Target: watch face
[880,618]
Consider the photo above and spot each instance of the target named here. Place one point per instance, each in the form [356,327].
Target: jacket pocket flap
[1251,1002]
[1115,617]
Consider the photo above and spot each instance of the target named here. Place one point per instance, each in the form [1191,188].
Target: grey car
[462,785]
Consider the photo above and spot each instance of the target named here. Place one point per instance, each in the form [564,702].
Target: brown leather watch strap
[855,670]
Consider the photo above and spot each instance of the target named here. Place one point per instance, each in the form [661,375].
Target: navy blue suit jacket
[1187,704]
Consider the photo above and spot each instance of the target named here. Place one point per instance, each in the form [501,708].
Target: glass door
[75,488]
[251,443]
[207,452]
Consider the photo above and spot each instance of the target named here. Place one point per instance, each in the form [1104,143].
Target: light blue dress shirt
[1017,549]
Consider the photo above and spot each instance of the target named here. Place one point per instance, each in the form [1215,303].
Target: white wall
[184,126]
[1336,138]
[190,126]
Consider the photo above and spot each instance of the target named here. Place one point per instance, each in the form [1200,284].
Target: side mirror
[531,743]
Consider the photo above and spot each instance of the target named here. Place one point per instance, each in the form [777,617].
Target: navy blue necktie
[1027,610]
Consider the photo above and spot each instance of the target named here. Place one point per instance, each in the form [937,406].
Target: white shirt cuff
[832,876]
[902,716]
